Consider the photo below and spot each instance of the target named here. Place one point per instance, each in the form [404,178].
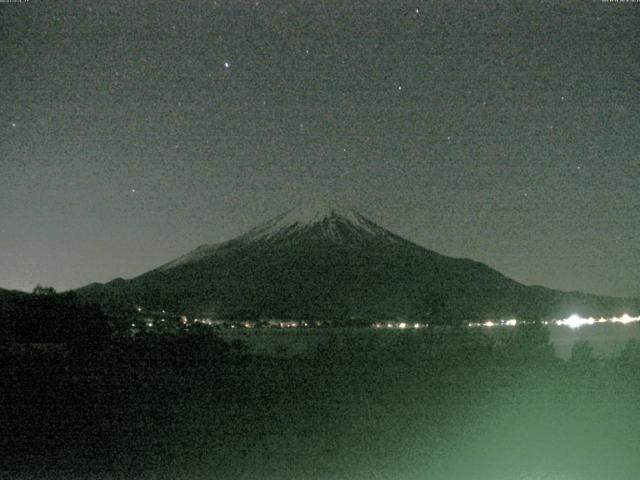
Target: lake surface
[606,338]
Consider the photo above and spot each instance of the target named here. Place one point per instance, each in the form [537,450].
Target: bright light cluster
[576,321]
[495,323]
[399,325]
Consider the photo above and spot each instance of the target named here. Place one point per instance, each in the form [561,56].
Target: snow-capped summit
[310,213]
[318,221]
[321,219]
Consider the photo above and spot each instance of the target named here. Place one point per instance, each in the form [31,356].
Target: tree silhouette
[40,290]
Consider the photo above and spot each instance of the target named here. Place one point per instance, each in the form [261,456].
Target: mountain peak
[315,212]
[328,220]
[317,220]
[323,262]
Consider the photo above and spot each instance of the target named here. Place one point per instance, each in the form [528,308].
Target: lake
[606,338]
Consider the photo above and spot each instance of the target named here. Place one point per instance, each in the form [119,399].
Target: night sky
[507,132]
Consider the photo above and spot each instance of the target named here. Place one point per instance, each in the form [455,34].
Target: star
[13,124]
[133,190]
[227,65]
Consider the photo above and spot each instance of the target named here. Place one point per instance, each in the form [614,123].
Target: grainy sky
[507,132]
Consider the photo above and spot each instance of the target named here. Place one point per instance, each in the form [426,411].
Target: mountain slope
[334,264]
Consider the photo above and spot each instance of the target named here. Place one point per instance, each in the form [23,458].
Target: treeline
[195,406]
[427,403]
[45,316]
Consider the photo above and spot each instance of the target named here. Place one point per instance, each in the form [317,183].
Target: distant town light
[625,318]
[402,325]
[575,321]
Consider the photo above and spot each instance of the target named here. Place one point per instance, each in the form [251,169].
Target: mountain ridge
[333,263]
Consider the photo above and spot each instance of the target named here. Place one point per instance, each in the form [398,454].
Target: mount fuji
[328,263]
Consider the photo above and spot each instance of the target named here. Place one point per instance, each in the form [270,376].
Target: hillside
[333,264]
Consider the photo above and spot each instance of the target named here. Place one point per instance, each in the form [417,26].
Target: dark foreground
[449,406]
